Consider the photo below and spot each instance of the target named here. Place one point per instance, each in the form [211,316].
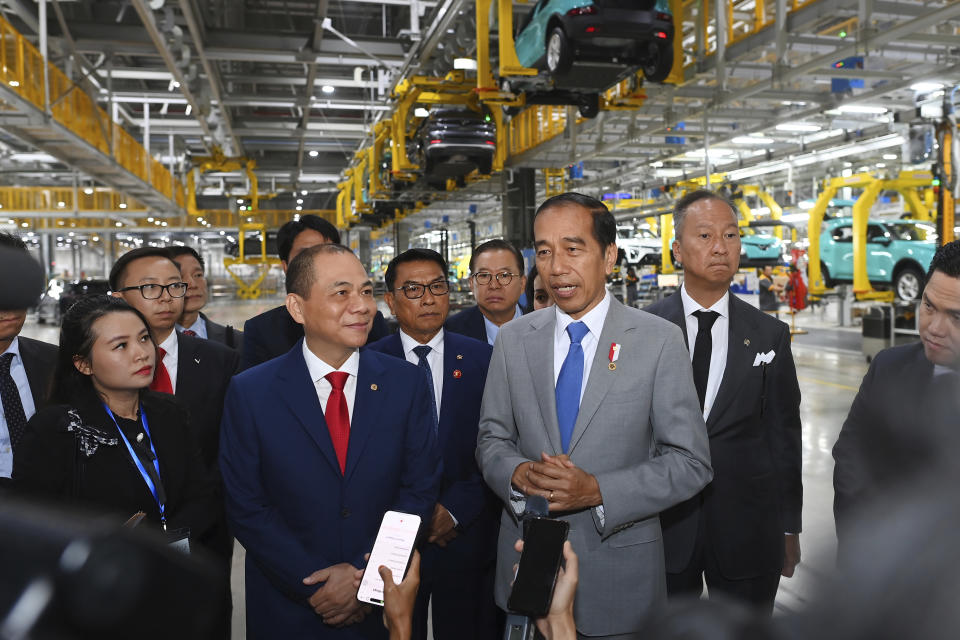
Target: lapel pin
[197,360]
[459,357]
[746,342]
[457,373]
[614,356]
[373,387]
[139,437]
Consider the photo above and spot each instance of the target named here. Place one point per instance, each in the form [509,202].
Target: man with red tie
[316,445]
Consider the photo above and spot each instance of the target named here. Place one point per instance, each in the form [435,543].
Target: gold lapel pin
[459,357]
[373,387]
[457,373]
[612,366]
[746,342]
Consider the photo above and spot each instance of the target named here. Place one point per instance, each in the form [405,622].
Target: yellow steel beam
[814,224]
[666,248]
[776,211]
[861,215]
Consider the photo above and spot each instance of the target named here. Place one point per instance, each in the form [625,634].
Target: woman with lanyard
[106,442]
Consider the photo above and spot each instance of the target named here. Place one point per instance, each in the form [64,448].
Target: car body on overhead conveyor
[759,249]
[898,253]
[585,46]
[450,142]
[640,246]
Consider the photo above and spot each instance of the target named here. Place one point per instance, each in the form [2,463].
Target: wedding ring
[550,497]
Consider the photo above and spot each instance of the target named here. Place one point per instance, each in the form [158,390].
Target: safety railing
[13,199]
[21,69]
[534,126]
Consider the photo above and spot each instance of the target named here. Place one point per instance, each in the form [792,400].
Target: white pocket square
[764,358]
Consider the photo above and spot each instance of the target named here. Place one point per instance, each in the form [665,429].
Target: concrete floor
[829,367]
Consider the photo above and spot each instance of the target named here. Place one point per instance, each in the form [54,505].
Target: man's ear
[390,300]
[83,365]
[295,307]
[676,252]
[116,294]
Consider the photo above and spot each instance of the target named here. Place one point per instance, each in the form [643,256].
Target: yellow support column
[556,182]
[861,213]
[814,223]
[666,250]
[776,212]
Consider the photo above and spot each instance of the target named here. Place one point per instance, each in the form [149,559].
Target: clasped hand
[336,600]
[566,486]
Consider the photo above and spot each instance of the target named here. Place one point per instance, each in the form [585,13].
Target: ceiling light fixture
[327,89]
[798,127]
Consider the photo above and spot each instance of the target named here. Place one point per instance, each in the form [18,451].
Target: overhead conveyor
[45,110]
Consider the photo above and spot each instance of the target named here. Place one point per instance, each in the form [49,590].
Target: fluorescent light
[466,64]
[796,217]
[14,83]
[327,89]
[299,208]
[88,191]
[657,164]
[926,86]
[420,112]
[299,200]
[751,140]
[798,127]
[805,204]
[861,108]
[714,153]
[239,200]
[890,156]
[880,165]
[669,173]
[303,192]
[123,205]
[189,110]
[313,153]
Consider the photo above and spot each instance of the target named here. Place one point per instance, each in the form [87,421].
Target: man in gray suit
[592,405]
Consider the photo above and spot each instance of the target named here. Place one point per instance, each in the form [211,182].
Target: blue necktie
[569,382]
[422,352]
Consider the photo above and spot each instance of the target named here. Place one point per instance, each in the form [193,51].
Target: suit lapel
[538,347]
[299,393]
[480,324]
[32,367]
[601,377]
[185,363]
[368,404]
[740,357]
[673,311]
[450,391]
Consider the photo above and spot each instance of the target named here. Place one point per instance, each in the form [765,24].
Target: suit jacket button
[345,513]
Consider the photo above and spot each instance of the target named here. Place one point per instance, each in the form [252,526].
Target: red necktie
[161,379]
[189,332]
[338,417]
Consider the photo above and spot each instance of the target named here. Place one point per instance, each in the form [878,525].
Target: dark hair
[120,266]
[412,255]
[683,204]
[946,260]
[290,230]
[301,273]
[528,291]
[76,339]
[497,245]
[604,224]
[12,241]
[183,250]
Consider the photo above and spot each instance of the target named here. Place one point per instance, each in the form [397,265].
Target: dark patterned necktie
[702,350]
[12,405]
[422,352]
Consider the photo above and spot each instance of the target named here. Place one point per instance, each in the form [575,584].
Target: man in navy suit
[458,559]
[316,446]
[497,280]
[274,332]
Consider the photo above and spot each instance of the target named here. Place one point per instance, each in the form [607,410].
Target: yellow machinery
[948,174]
[906,183]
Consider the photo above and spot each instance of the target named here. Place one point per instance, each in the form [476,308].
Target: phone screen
[542,552]
[392,549]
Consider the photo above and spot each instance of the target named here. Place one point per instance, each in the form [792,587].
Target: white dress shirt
[318,369]
[171,346]
[199,327]
[434,359]
[19,375]
[594,320]
[493,329]
[719,334]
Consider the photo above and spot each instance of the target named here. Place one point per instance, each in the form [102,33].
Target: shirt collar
[318,368]
[196,327]
[721,306]
[941,370]
[409,344]
[593,319]
[170,345]
[14,348]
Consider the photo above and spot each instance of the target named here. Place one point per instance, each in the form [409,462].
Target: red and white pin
[457,373]
[614,356]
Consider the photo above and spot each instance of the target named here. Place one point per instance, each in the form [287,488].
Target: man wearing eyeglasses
[194,370]
[497,279]
[458,560]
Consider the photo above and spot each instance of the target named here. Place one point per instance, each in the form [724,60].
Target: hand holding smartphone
[392,549]
[539,563]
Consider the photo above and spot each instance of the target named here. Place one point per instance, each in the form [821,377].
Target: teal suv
[898,254]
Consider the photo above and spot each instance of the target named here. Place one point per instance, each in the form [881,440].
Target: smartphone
[392,549]
[539,563]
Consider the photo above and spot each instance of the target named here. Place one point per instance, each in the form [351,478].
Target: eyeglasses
[154,291]
[416,291]
[485,277]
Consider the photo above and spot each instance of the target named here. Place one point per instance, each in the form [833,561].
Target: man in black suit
[193,321]
[497,279]
[902,426]
[458,561]
[274,332]
[26,368]
[741,531]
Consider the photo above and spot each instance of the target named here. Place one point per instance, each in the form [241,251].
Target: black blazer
[468,322]
[273,333]
[754,427]
[204,369]
[225,335]
[51,462]
[900,428]
[39,361]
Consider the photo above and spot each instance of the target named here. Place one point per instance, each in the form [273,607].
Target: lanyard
[136,459]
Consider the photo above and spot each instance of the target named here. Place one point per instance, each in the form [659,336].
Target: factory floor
[829,367]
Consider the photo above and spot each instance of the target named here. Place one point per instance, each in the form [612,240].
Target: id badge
[179,539]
